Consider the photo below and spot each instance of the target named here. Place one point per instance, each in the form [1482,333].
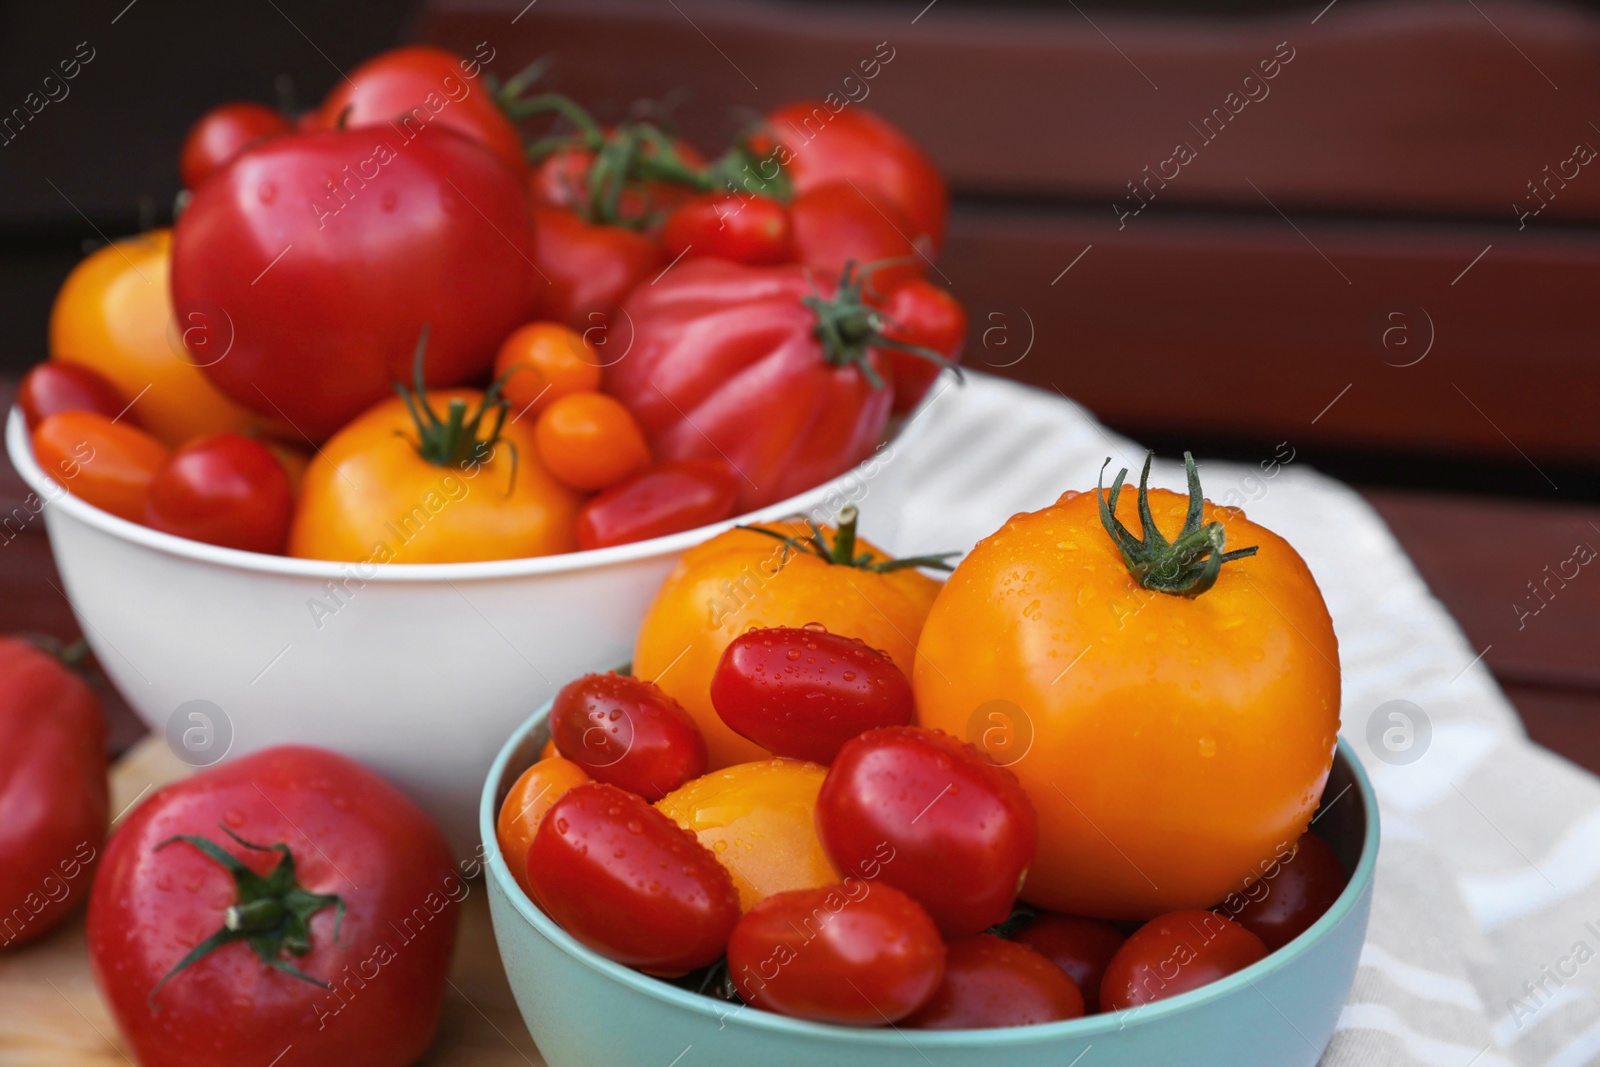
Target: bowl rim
[723,1012]
[52,494]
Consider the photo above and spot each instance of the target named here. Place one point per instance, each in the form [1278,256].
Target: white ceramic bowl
[420,671]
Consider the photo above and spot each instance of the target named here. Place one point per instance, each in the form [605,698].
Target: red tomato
[586,269]
[726,363]
[667,498]
[961,828]
[406,89]
[321,257]
[630,883]
[746,229]
[818,144]
[990,982]
[1175,953]
[222,133]
[55,385]
[224,490]
[836,224]
[289,898]
[627,732]
[52,791]
[565,179]
[1289,896]
[108,464]
[921,314]
[804,692]
[1081,947]
[858,954]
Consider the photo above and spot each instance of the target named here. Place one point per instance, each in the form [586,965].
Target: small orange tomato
[549,751]
[108,464]
[590,441]
[759,820]
[543,362]
[524,808]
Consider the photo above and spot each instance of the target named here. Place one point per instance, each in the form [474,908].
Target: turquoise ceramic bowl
[582,1009]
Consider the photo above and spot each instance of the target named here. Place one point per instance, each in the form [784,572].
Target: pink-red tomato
[1175,953]
[836,224]
[627,732]
[990,982]
[961,828]
[804,692]
[857,953]
[222,133]
[56,385]
[630,883]
[922,314]
[1081,947]
[226,490]
[745,229]
[1283,903]
[667,498]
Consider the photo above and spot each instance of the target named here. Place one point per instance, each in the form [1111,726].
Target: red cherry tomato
[921,313]
[55,385]
[586,269]
[562,179]
[407,89]
[745,229]
[1081,947]
[859,954]
[990,982]
[803,692]
[630,883]
[224,490]
[626,731]
[1175,953]
[837,224]
[224,132]
[961,828]
[665,499]
[1283,904]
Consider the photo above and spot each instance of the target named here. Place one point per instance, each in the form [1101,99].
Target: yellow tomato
[114,314]
[370,495]
[742,579]
[759,820]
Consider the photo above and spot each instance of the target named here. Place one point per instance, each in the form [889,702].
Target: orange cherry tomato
[114,315]
[759,820]
[549,751]
[108,464]
[543,362]
[520,813]
[1174,741]
[742,579]
[590,441]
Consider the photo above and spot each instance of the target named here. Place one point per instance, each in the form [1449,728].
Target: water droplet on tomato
[1208,747]
[233,818]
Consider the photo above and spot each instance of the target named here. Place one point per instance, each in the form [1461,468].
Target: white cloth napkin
[1484,945]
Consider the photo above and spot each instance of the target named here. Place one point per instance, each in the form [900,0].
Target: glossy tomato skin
[54,386]
[352,834]
[804,692]
[108,464]
[821,145]
[409,88]
[1175,953]
[921,313]
[745,229]
[627,732]
[542,362]
[742,579]
[224,490]
[1081,947]
[1195,733]
[1290,895]
[52,789]
[427,232]
[589,441]
[961,828]
[532,796]
[585,271]
[222,133]
[667,498]
[725,364]
[835,224]
[855,954]
[630,883]
[990,982]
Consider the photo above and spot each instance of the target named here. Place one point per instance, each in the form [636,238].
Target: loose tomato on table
[804,692]
[1182,697]
[542,362]
[229,904]
[627,732]
[776,574]
[1081,947]
[224,490]
[855,953]
[667,498]
[1290,895]
[55,385]
[222,133]
[108,464]
[961,829]
[52,790]
[532,796]
[990,982]
[589,441]
[1175,953]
